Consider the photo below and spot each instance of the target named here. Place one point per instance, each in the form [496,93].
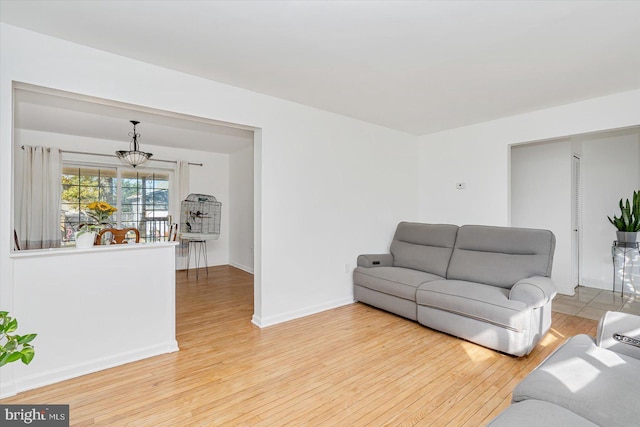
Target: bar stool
[199,249]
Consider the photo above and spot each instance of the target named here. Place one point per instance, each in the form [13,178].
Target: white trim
[296,314]
[72,250]
[55,376]
[241,267]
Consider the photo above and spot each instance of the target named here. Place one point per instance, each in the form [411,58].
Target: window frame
[119,168]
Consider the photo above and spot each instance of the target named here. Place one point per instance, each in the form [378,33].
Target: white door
[576,224]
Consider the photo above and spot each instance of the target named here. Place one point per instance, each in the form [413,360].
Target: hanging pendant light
[134,156]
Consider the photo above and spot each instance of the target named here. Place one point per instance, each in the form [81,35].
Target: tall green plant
[629,220]
[14,347]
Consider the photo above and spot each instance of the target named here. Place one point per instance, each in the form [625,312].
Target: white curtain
[180,192]
[183,179]
[179,187]
[38,210]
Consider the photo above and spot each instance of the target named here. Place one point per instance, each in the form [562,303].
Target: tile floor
[593,303]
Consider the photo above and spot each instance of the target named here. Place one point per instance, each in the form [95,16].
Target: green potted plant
[628,224]
[14,347]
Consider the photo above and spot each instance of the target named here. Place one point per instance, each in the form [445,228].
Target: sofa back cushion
[424,247]
[500,256]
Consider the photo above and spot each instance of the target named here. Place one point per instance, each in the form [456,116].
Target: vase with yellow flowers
[100,213]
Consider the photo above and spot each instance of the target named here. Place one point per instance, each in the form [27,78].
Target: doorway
[576,225]
[228,154]
[570,185]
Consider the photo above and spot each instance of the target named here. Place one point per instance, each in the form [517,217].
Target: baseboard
[595,283]
[263,322]
[256,320]
[242,267]
[55,376]
[7,385]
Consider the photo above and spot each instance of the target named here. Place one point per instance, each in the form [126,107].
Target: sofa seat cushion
[595,383]
[396,281]
[490,304]
[538,413]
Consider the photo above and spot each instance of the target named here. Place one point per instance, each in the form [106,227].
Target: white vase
[85,239]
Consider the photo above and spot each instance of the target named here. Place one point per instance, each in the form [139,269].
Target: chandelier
[134,156]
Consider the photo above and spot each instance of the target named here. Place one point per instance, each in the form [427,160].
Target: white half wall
[92,309]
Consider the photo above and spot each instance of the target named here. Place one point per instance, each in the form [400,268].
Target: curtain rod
[112,155]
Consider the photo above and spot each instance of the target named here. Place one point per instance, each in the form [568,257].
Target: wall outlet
[347,268]
[460,185]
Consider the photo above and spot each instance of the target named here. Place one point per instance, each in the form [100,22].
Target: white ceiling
[416,66]
[48,110]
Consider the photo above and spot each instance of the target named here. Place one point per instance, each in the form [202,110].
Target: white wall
[92,309]
[213,179]
[479,156]
[330,187]
[241,209]
[210,178]
[541,198]
[610,172]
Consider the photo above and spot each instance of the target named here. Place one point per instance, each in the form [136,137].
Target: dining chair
[16,241]
[173,232]
[118,235]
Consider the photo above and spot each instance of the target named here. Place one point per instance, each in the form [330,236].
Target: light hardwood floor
[351,366]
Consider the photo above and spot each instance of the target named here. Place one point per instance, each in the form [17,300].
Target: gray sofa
[488,285]
[585,382]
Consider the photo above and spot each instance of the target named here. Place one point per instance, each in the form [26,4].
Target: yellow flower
[100,211]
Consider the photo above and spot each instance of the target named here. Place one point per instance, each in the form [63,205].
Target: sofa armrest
[534,291]
[620,332]
[375,260]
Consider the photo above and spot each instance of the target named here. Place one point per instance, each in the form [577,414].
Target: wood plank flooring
[351,366]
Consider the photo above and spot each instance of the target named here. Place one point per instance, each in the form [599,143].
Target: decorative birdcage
[200,213]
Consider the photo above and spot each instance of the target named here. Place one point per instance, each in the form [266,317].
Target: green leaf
[24,339]
[626,219]
[15,347]
[11,326]
[10,357]
[27,355]
[11,345]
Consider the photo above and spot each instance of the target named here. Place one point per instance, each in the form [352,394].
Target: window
[145,203]
[142,199]
[81,186]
